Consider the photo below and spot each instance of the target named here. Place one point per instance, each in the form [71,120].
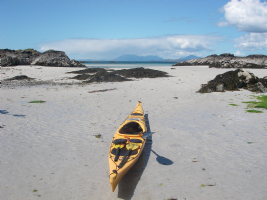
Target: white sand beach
[49,150]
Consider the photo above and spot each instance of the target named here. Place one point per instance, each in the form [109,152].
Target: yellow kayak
[127,145]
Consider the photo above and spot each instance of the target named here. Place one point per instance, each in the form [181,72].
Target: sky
[106,29]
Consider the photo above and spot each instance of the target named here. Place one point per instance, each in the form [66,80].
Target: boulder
[234,80]
[33,57]
[18,57]
[55,58]
[258,87]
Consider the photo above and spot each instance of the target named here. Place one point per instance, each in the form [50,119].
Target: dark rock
[258,87]
[88,71]
[82,76]
[20,77]
[263,81]
[227,55]
[141,73]
[234,80]
[104,76]
[213,55]
[256,56]
[33,57]
[18,57]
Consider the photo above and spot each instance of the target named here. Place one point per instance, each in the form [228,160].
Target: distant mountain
[130,57]
[85,60]
[190,57]
[183,59]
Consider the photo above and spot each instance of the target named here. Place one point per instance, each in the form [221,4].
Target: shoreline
[49,149]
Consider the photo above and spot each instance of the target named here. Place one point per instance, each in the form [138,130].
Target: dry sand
[49,151]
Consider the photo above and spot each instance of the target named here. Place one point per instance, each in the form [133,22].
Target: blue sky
[98,29]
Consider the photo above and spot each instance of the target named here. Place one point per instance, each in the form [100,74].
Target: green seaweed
[232,104]
[35,190]
[98,135]
[250,142]
[39,101]
[254,111]
[202,185]
[261,103]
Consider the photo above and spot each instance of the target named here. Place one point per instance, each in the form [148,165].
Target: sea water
[122,64]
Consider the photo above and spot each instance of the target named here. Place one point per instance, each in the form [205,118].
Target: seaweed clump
[233,81]
[141,73]
[20,77]
[102,75]
[87,71]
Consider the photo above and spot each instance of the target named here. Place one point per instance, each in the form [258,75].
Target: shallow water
[128,64]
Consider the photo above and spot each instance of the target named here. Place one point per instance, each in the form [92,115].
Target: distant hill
[131,57]
[183,59]
[190,57]
[85,60]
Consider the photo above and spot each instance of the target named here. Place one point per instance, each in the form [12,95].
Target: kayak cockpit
[132,128]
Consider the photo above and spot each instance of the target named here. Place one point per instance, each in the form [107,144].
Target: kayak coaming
[116,173]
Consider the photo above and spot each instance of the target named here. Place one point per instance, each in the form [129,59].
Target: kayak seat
[132,128]
[136,141]
[119,141]
[123,151]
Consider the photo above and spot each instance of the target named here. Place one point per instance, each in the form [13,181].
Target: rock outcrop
[228,60]
[234,80]
[33,57]
[90,75]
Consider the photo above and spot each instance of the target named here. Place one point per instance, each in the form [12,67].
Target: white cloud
[169,46]
[246,15]
[252,41]
[238,53]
